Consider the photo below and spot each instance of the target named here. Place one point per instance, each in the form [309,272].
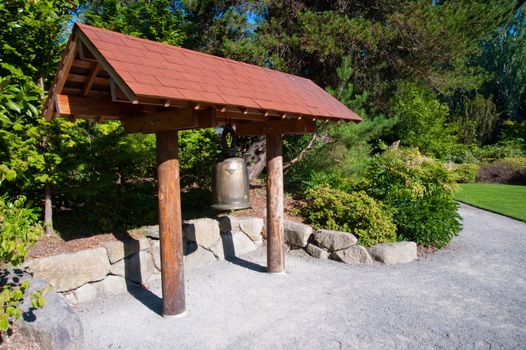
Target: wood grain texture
[170,224]
[275,252]
[281,127]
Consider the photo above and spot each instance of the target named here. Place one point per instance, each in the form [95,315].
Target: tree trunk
[48,200]
[48,211]
[257,157]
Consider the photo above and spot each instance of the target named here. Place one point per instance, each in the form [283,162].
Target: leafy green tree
[30,33]
[428,42]
[215,26]
[422,120]
[505,58]
[158,20]
[478,121]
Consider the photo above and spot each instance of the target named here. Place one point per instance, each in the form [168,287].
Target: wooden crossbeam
[171,119]
[91,108]
[285,126]
[92,79]
[86,63]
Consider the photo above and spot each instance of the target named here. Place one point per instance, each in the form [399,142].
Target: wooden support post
[275,252]
[170,224]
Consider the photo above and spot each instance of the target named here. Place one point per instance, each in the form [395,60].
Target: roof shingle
[154,69]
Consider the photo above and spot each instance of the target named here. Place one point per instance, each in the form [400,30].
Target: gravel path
[471,295]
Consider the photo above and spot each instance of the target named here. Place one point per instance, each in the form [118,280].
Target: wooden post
[275,253]
[170,224]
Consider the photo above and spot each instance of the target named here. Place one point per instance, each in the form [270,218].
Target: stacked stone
[343,246]
[117,266]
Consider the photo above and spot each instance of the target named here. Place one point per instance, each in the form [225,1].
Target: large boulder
[53,327]
[334,240]
[204,232]
[233,244]
[316,251]
[138,267]
[252,226]
[355,254]
[296,234]
[118,250]
[70,271]
[394,253]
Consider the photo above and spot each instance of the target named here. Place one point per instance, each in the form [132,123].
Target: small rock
[151,231]
[70,271]
[296,234]
[85,293]
[53,327]
[198,257]
[204,232]
[394,253]
[334,240]
[355,254]
[316,252]
[111,285]
[118,250]
[233,244]
[137,267]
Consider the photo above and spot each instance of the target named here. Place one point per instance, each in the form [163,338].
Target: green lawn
[507,200]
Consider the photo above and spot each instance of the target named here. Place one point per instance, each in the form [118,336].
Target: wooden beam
[172,119]
[170,224]
[60,78]
[93,93]
[275,251]
[84,63]
[285,126]
[90,108]
[91,79]
[107,67]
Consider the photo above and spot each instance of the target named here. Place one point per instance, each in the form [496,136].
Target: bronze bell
[230,178]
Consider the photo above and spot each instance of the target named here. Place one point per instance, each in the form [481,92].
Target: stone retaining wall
[117,266]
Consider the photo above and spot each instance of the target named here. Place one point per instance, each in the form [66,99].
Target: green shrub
[355,212]
[19,229]
[464,173]
[508,170]
[419,191]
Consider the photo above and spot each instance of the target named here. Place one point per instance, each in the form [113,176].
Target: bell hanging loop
[230,185]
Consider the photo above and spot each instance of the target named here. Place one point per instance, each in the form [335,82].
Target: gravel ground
[471,295]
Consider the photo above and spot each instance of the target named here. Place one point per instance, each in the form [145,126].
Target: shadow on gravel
[134,278]
[230,255]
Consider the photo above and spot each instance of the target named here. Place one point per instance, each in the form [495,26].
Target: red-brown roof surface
[154,69]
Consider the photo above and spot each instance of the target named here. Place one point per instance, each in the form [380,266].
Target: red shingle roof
[150,68]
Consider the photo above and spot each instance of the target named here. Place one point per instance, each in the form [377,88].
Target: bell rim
[231,207]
